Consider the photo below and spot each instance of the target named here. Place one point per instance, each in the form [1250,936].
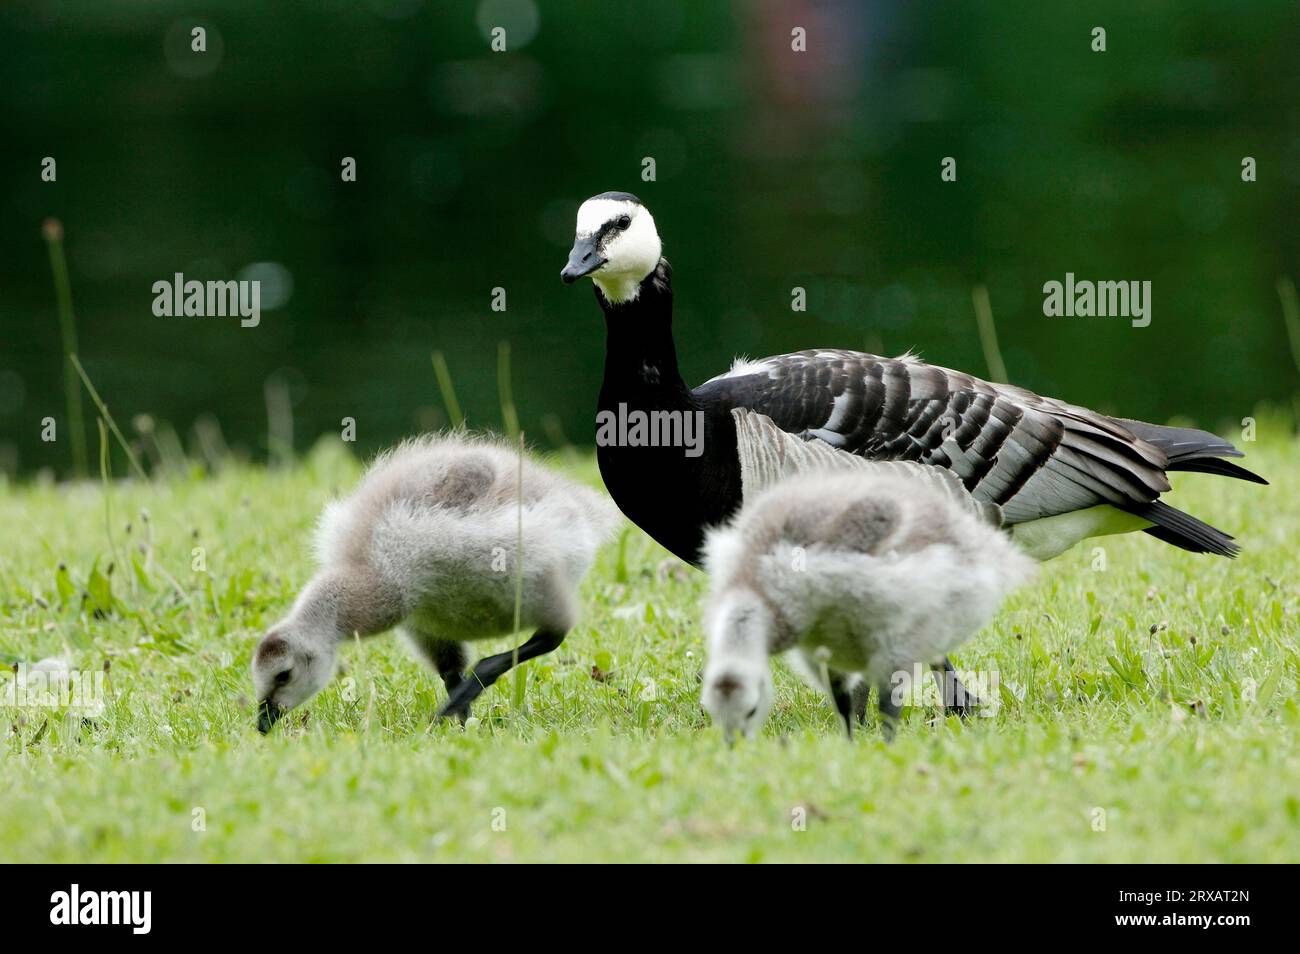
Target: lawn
[1148,708]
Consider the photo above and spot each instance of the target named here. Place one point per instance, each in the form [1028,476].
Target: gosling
[859,574]
[428,542]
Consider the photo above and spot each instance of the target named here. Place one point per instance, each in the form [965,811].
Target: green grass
[611,757]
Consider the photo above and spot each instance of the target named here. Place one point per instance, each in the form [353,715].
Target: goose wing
[769,454]
[1032,456]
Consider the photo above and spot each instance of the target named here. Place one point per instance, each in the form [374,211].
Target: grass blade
[279,421]
[509,416]
[53,231]
[448,391]
[1291,314]
[989,335]
[103,410]
[517,700]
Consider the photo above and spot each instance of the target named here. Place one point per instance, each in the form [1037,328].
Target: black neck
[640,355]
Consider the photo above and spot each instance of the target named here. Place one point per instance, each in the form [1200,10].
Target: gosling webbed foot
[456,708]
[491,668]
[457,705]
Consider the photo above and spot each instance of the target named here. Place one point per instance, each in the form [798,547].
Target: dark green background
[775,169]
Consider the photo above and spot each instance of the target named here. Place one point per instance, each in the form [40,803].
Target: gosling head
[738,695]
[616,244]
[292,663]
[738,690]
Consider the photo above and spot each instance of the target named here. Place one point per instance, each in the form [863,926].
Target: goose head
[292,663]
[616,243]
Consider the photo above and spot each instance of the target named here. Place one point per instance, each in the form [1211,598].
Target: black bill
[583,260]
[268,714]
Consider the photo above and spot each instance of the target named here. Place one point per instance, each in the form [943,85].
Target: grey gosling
[857,572]
[427,542]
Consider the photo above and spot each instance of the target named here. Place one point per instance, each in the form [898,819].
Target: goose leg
[957,699]
[491,668]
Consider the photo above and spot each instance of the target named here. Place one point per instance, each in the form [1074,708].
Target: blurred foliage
[774,169]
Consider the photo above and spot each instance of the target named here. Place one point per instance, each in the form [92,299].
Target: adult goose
[1059,472]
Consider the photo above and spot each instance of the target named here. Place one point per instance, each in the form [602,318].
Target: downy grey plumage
[867,571]
[428,541]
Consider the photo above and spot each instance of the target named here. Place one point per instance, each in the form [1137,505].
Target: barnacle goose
[1059,472]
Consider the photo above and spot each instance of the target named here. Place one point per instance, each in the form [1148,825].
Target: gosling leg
[889,710]
[448,657]
[849,692]
[491,668]
[957,699]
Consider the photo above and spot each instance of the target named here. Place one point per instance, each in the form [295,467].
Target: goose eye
[624,221]
[283,676]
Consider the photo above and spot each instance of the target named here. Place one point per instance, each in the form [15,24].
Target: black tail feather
[1189,449]
[1181,442]
[1184,530]
[1215,465]
[1195,451]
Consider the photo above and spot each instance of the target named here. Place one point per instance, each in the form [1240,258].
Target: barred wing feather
[769,454]
[1029,455]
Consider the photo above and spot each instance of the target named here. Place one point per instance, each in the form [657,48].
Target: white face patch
[594,213]
[630,254]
